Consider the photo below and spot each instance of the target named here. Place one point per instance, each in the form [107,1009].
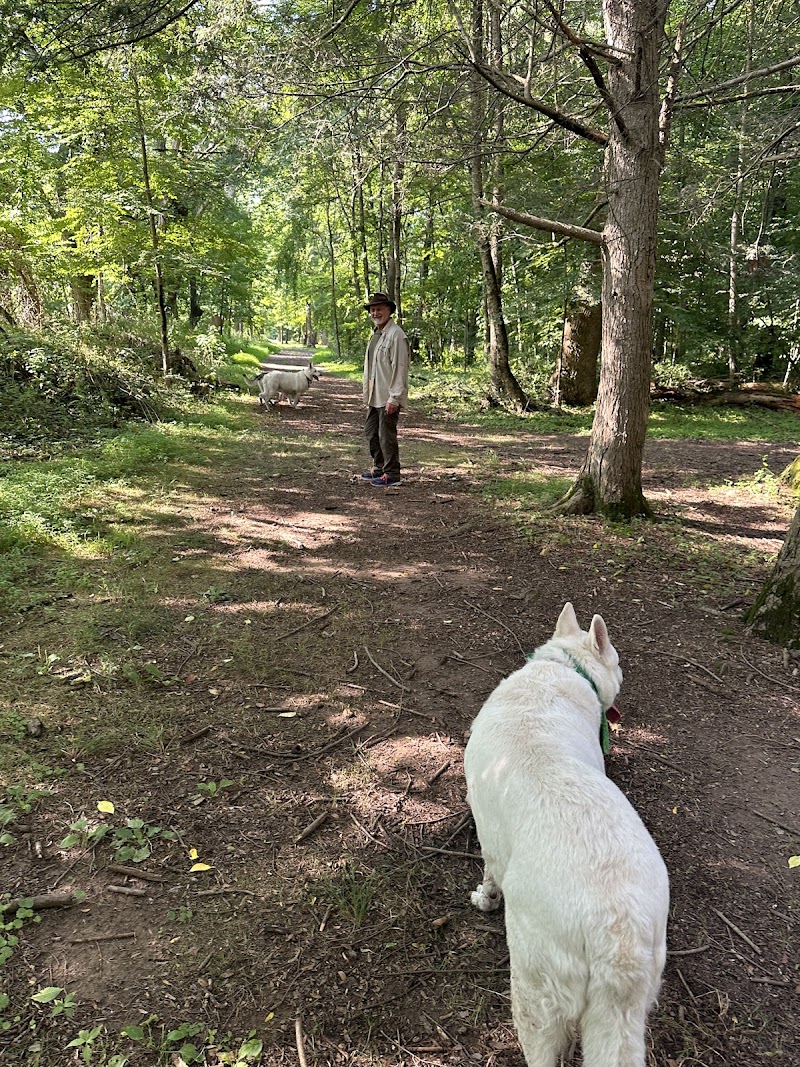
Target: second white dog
[292,384]
[586,890]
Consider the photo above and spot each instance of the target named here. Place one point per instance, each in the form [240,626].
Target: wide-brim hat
[380,298]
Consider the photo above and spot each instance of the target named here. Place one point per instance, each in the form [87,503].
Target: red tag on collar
[613,714]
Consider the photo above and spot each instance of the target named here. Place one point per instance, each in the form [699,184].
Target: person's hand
[391,409]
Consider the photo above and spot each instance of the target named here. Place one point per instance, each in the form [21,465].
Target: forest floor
[283,679]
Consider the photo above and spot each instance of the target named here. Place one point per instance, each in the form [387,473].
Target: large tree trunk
[609,481]
[776,612]
[580,350]
[501,374]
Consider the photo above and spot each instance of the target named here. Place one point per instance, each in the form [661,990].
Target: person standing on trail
[385,391]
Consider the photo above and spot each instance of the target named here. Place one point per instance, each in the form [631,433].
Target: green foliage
[352,892]
[10,924]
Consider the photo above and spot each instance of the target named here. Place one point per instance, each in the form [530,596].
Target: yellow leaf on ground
[200,867]
[105,806]
[794,861]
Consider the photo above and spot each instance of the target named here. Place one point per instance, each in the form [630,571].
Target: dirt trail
[349,636]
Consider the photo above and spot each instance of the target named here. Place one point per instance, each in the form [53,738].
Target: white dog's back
[585,887]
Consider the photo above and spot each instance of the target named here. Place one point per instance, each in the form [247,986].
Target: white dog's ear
[567,625]
[599,640]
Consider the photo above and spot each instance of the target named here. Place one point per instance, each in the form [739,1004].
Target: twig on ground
[466,818]
[301,1048]
[354,665]
[392,679]
[46,900]
[736,930]
[225,889]
[102,937]
[471,662]
[685,984]
[366,832]
[309,622]
[325,918]
[694,663]
[767,981]
[320,819]
[439,773]
[777,681]
[133,872]
[499,623]
[126,891]
[196,735]
[688,951]
[648,752]
[448,852]
[775,822]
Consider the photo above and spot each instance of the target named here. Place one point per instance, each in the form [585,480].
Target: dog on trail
[586,890]
[273,384]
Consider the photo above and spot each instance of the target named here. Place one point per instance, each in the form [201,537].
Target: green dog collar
[605,733]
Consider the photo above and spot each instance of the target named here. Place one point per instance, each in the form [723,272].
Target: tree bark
[776,612]
[610,480]
[151,215]
[500,371]
[580,351]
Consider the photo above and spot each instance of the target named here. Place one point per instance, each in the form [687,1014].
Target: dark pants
[381,434]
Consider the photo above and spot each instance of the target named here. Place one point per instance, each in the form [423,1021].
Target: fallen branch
[448,852]
[102,937]
[133,872]
[386,674]
[320,819]
[736,930]
[499,623]
[298,1036]
[688,951]
[47,900]
[648,752]
[195,736]
[439,773]
[310,622]
[776,681]
[782,825]
[126,891]
[694,663]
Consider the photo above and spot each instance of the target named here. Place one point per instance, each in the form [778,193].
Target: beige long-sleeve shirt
[386,367]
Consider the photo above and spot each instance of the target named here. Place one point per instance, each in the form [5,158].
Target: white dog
[272,384]
[586,890]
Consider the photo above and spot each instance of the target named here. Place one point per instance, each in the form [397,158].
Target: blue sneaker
[369,476]
[386,482]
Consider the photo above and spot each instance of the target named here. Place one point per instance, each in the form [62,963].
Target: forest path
[329,644]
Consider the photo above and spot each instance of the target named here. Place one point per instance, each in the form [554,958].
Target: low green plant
[133,842]
[352,892]
[10,924]
[212,788]
[60,1001]
[15,800]
[84,834]
[92,1046]
[182,1042]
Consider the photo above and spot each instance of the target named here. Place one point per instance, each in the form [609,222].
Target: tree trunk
[501,374]
[84,293]
[332,260]
[580,351]
[610,480]
[742,164]
[195,311]
[776,612]
[148,193]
